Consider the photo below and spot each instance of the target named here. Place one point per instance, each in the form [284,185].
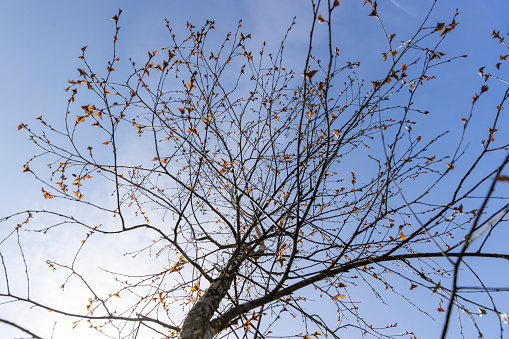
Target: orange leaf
[440,309]
[196,287]
[26,169]
[47,195]
[402,236]
[339,296]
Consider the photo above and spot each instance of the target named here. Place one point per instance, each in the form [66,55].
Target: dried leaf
[310,74]
[437,287]
[339,296]
[440,26]
[503,178]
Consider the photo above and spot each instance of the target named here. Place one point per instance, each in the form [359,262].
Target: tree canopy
[282,202]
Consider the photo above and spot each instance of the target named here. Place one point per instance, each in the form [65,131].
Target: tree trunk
[197,324]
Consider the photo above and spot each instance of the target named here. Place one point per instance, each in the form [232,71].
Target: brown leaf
[321,19]
[310,74]
[440,26]
[428,160]
[436,288]
[503,178]
[446,30]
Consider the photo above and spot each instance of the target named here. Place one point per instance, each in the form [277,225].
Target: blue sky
[41,41]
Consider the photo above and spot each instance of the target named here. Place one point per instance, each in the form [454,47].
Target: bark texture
[197,324]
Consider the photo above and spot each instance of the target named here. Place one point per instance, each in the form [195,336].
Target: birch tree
[275,194]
